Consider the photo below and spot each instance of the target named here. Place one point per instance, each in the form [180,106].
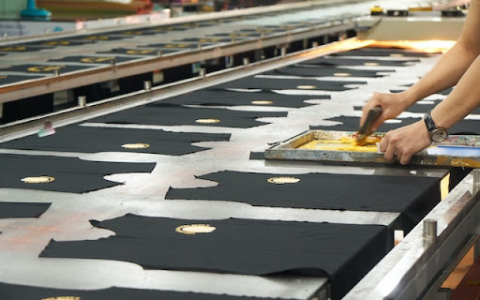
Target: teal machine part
[34,13]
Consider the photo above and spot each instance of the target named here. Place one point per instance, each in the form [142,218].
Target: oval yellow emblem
[262,102]
[306,87]
[195,228]
[283,180]
[38,179]
[135,146]
[207,121]
[342,74]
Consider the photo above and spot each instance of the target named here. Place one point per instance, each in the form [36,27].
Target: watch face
[438,135]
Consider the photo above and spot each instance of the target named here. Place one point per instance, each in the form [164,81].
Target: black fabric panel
[134,32]
[71,175]
[257,155]
[24,292]
[340,61]
[176,45]
[56,43]
[323,191]
[9,79]
[253,82]
[136,51]
[171,115]
[353,123]
[165,29]
[46,69]
[382,52]
[206,40]
[97,139]
[24,48]
[84,59]
[317,71]
[212,97]
[97,38]
[240,34]
[22,209]
[267,30]
[253,247]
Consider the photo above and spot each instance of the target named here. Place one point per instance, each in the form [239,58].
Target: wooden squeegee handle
[373,114]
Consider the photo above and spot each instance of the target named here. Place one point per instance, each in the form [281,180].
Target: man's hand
[392,105]
[402,143]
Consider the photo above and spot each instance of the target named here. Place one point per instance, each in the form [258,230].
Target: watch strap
[431,126]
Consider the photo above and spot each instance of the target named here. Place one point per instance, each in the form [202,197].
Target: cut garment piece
[253,82]
[212,97]
[46,69]
[94,38]
[9,79]
[25,292]
[22,209]
[383,52]
[178,45]
[22,48]
[137,51]
[251,247]
[135,32]
[347,62]
[64,174]
[176,115]
[215,40]
[99,139]
[323,71]
[96,60]
[323,191]
[352,123]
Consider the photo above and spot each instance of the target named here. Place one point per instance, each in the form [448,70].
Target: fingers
[401,144]
[375,100]
[388,149]
[404,158]
[392,151]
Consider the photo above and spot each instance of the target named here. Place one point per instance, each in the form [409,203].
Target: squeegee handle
[372,115]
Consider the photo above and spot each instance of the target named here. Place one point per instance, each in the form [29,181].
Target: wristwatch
[437,134]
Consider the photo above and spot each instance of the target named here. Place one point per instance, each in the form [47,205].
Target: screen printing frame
[457,150]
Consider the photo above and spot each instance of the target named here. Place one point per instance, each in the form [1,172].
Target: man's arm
[453,64]
[402,143]
[446,73]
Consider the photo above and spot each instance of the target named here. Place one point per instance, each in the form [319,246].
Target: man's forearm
[464,98]
[453,64]
[446,73]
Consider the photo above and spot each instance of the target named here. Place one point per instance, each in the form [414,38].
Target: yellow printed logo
[88,60]
[57,43]
[40,69]
[14,48]
[136,51]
